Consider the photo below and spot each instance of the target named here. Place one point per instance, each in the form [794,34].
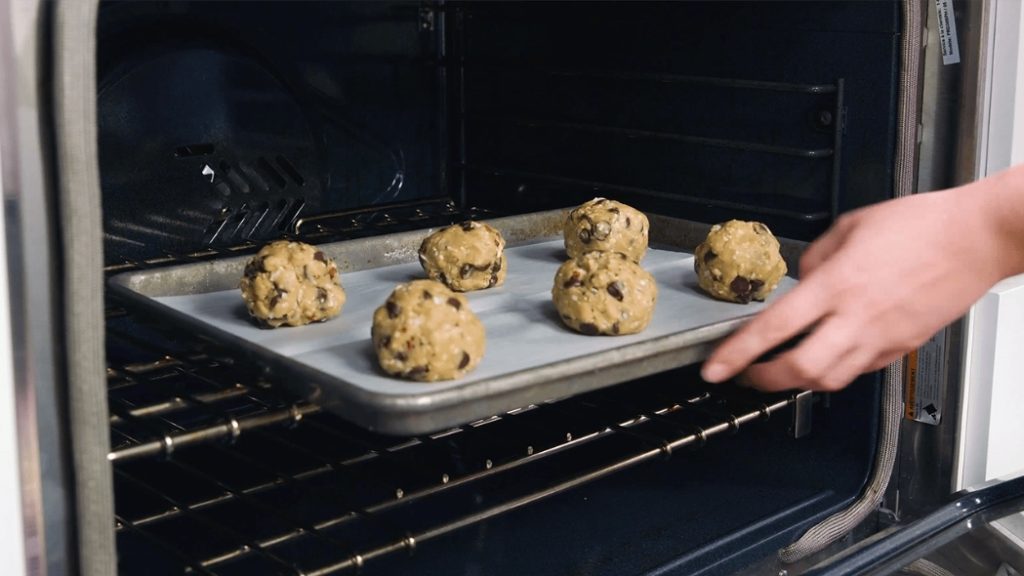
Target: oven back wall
[780,111]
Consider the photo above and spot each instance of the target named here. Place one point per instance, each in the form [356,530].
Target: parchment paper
[523,328]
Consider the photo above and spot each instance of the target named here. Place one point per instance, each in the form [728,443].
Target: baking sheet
[530,356]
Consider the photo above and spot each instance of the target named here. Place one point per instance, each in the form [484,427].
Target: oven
[141,135]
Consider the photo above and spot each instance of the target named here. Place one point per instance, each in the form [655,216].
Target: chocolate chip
[417,371]
[613,210]
[566,318]
[320,257]
[442,278]
[493,281]
[615,289]
[497,266]
[584,235]
[467,225]
[760,228]
[709,256]
[401,356]
[466,270]
[454,303]
[573,280]
[252,269]
[615,328]
[385,342]
[628,222]
[740,286]
[321,295]
[263,264]
[589,329]
[756,285]
[278,295]
[427,295]
[393,309]
[465,360]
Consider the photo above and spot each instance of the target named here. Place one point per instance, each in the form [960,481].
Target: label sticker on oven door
[924,377]
[947,31]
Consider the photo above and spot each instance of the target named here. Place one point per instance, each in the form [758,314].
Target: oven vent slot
[253,221]
[267,205]
[194,150]
[283,218]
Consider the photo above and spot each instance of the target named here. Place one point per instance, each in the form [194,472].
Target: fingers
[820,250]
[846,370]
[797,310]
[825,358]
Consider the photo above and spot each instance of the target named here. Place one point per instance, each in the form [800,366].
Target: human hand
[876,285]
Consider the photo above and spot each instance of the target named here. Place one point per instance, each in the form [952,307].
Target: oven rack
[218,471]
[357,497]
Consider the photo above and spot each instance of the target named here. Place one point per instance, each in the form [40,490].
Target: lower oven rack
[218,471]
[354,497]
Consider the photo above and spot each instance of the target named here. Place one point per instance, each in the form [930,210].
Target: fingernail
[713,372]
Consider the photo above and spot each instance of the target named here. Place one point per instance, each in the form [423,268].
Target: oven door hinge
[803,406]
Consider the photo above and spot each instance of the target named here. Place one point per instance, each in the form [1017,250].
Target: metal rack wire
[356,497]
[821,143]
[217,471]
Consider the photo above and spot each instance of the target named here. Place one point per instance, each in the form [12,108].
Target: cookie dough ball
[426,332]
[739,262]
[291,284]
[464,257]
[607,225]
[604,293]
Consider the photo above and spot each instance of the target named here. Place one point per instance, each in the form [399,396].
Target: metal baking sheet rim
[434,411]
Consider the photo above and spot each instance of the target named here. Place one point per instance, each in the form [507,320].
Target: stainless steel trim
[802,410]
[29,224]
[950,125]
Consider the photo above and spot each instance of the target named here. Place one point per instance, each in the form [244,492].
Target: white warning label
[924,378]
[947,31]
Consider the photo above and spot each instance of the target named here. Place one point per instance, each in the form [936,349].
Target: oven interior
[222,125]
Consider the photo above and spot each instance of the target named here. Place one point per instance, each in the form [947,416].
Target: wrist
[998,205]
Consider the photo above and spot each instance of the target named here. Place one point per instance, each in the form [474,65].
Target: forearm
[998,200]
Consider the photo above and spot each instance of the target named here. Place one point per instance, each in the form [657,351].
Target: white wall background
[992,425]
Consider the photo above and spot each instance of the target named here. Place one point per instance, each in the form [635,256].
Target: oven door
[979,532]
